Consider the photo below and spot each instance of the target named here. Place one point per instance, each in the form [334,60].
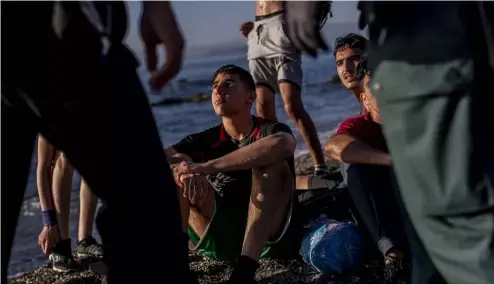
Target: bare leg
[87,211]
[295,110]
[62,189]
[265,103]
[197,216]
[272,189]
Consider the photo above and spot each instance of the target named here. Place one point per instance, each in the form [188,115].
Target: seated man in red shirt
[360,146]
[236,181]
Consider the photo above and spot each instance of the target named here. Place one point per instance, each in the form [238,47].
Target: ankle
[63,247]
[395,254]
[83,238]
[321,169]
[244,270]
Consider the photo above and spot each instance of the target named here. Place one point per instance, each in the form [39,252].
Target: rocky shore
[209,272]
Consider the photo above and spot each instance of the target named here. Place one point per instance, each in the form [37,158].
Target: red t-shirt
[363,128]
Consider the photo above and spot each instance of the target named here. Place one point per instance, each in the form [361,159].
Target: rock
[303,164]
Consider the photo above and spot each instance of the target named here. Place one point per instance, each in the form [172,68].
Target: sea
[326,103]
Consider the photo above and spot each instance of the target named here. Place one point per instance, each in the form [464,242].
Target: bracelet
[49,217]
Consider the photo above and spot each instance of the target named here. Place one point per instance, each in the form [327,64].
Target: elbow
[333,151]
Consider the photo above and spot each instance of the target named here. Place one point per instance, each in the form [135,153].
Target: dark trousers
[371,190]
[434,88]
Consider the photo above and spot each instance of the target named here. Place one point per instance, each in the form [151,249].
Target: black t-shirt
[214,143]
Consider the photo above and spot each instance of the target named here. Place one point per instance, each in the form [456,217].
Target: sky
[216,22]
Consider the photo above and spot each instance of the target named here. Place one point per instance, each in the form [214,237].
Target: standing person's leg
[62,172]
[290,84]
[263,72]
[437,118]
[19,129]
[61,182]
[86,244]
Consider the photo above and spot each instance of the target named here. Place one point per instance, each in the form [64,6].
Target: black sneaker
[395,271]
[63,263]
[89,247]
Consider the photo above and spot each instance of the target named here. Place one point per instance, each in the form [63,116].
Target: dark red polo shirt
[363,128]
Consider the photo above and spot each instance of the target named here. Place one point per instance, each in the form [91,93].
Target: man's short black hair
[350,40]
[242,74]
[363,69]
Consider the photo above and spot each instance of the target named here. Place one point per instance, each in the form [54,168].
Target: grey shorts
[272,57]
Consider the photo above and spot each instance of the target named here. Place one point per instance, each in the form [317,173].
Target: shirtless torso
[264,7]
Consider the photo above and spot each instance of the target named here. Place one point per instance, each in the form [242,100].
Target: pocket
[282,34]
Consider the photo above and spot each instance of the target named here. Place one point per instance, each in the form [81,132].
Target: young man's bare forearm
[345,148]
[43,173]
[44,192]
[264,152]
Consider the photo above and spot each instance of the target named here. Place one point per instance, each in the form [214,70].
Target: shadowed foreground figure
[434,65]
[67,74]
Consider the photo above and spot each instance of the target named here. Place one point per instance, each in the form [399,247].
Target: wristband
[49,217]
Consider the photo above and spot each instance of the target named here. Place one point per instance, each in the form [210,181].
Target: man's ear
[365,101]
[363,97]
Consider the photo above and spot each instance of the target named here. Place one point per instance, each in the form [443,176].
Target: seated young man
[348,51]
[236,180]
[366,168]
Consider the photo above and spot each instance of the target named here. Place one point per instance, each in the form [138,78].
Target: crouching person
[236,181]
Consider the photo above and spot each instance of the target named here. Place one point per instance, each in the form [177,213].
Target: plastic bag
[332,246]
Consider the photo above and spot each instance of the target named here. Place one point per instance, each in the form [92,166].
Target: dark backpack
[334,202]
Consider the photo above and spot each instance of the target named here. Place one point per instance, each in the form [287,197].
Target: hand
[191,168]
[303,26]
[158,26]
[246,28]
[48,238]
[195,188]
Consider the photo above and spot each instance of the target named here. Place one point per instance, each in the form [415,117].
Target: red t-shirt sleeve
[350,126]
